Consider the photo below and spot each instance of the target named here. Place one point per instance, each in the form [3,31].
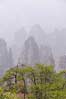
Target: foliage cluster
[38,82]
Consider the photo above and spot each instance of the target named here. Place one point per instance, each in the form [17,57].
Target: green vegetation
[38,82]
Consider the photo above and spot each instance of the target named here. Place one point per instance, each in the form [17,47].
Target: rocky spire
[30,54]
[3,56]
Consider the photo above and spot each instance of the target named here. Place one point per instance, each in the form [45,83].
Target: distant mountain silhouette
[5,58]
[55,43]
[46,56]
[19,39]
[38,33]
[30,54]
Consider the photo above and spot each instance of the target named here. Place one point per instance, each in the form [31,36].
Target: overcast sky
[14,14]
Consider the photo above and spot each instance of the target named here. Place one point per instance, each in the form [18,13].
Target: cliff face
[3,53]
[4,57]
[19,39]
[30,54]
[46,56]
[57,41]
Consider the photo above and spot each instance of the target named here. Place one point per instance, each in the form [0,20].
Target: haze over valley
[32,32]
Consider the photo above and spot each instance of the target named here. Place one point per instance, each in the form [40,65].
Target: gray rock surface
[46,56]
[4,57]
[30,54]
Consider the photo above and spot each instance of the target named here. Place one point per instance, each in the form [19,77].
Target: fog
[14,14]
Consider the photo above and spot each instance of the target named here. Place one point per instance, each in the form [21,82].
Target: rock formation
[5,57]
[19,40]
[46,56]
[30,54]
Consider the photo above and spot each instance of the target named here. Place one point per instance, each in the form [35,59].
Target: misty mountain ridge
[37,47]
[56,40]
[51,40]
